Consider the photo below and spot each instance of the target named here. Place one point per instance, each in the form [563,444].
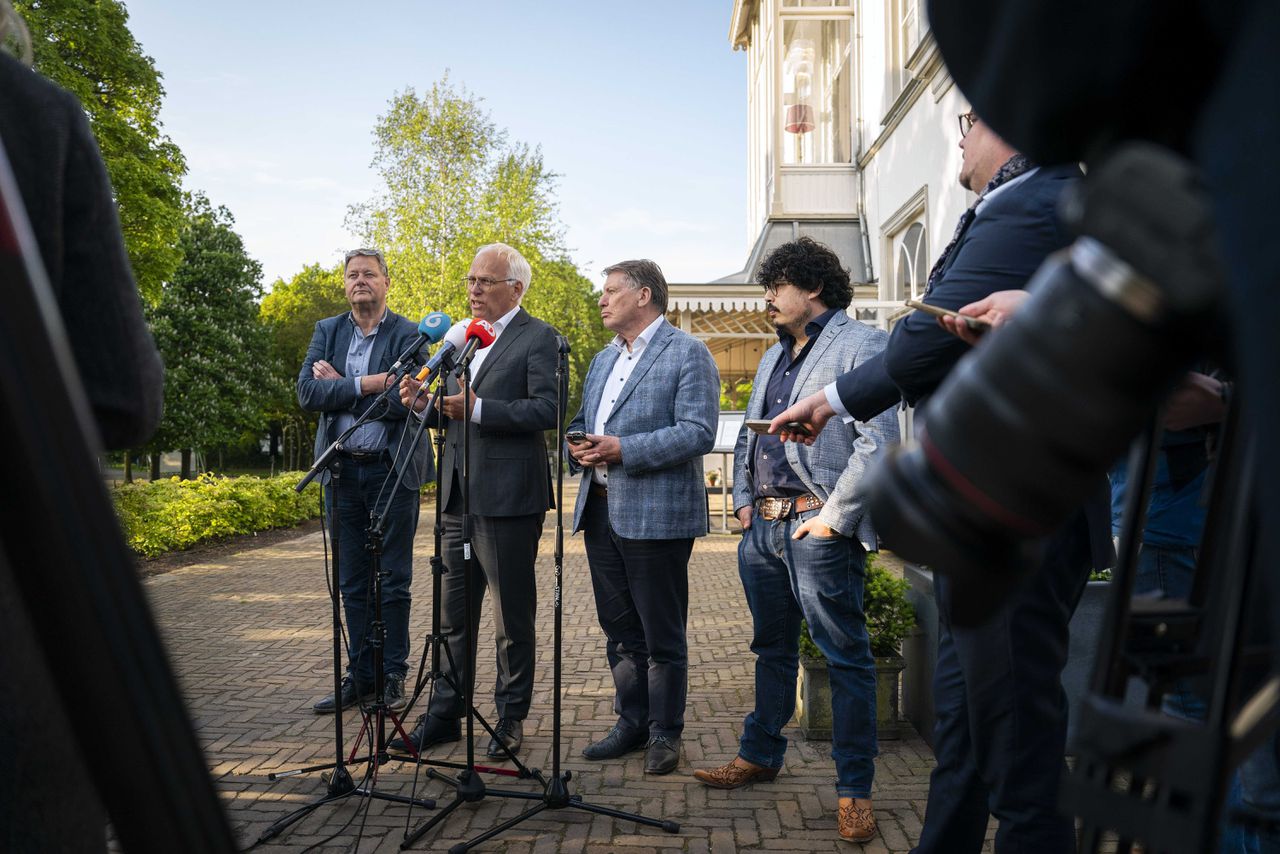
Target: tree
[206,327]
[289,314]
[85,46]
[452,183]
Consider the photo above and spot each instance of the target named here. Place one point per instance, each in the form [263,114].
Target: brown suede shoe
[736,774]
[857,824]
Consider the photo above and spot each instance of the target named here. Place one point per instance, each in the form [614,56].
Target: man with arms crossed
[806,533]
[344,371]
[512,401]
[649,408]
[1000,730]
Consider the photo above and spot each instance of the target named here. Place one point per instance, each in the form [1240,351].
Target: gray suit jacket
[510,474]
[666,420]
[832,466]
[330,342]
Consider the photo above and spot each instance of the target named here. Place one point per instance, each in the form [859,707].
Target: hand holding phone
[974,324]
[575,437]
[761,425]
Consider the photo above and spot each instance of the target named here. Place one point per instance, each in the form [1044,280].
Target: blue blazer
[666,419]
[1006,243]
[329,342]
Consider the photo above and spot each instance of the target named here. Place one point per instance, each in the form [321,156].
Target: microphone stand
[468,787]
[556,794]
[340,784]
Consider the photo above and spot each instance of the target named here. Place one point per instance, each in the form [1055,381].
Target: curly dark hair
[810,266]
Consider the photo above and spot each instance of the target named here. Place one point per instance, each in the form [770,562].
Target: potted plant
[890,618]
[713,477]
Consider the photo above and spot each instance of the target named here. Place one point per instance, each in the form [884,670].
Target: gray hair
[517,267]
[14,35]
[367,253]
[643,273]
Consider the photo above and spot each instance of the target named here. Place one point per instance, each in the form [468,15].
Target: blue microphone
[430,330]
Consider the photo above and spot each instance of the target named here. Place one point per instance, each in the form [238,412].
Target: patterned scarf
[1013,167]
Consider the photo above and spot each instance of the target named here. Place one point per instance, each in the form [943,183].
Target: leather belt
[772,508]
[362,456]
[599,490]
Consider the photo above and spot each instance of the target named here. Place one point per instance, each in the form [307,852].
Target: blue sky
[640,107]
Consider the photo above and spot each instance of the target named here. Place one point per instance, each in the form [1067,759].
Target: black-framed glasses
[485,283]
[967,121]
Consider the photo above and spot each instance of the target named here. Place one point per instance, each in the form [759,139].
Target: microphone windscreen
[457,334]
[434,326]
[484,331]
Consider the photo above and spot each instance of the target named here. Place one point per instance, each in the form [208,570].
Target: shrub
[890,617]
[171,515]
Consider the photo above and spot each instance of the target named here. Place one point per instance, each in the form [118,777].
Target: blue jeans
[818,580]
[360,485]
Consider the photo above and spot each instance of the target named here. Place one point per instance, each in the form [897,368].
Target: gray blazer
[330,341]
[833,465]
[666,420]
[510,475]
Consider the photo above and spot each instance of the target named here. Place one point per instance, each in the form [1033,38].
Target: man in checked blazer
[806,533]
[649,408]
[512,402]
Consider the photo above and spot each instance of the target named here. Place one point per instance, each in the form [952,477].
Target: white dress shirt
[622,368]
[478,359]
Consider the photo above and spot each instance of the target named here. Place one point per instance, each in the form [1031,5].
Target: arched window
[911,262]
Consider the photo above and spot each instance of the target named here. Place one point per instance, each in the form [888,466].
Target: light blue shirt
[372,435]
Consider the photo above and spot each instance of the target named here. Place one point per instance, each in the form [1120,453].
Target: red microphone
[480,334]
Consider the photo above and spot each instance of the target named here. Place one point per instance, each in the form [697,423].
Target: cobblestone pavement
[249,635]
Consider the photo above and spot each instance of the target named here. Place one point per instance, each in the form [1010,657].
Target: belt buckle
[773,508]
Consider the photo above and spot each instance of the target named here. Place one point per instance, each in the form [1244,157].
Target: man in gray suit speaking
[806,533]
[649,410]
[512,401]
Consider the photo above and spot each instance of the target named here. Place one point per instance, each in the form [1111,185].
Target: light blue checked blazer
[666,420]
[833,465]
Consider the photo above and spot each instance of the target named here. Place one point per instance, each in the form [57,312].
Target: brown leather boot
[857,824]
[736,774]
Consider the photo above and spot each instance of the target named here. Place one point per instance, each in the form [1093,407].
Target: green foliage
[890,617]
[735,395]
[173,514]
[452,183]
[206,327]
[86,47]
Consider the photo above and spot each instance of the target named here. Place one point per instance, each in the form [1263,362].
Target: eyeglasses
[485,284]
[771,291]
[967,121]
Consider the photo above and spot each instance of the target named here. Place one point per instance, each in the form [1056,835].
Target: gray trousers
[504,549]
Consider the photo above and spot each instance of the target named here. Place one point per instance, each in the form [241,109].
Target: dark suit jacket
[68,200]
[510,474]
[1004,246]
[329,342]
[1000,251]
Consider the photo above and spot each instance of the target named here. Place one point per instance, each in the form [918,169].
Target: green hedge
[170,515]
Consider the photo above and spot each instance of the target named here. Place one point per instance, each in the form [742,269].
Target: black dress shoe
[511,732]
[662,755]
[428,731]
[618,742]
[350,696]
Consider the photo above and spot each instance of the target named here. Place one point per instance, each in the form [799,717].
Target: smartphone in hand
[761,425]
[575,437]
[974,324]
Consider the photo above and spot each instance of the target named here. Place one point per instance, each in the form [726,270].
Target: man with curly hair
[806,533]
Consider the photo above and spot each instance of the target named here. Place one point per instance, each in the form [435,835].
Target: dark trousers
[360,489]
[503,550]
[642,601]
[1001,725]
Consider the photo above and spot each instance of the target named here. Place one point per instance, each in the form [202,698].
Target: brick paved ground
[250,639]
